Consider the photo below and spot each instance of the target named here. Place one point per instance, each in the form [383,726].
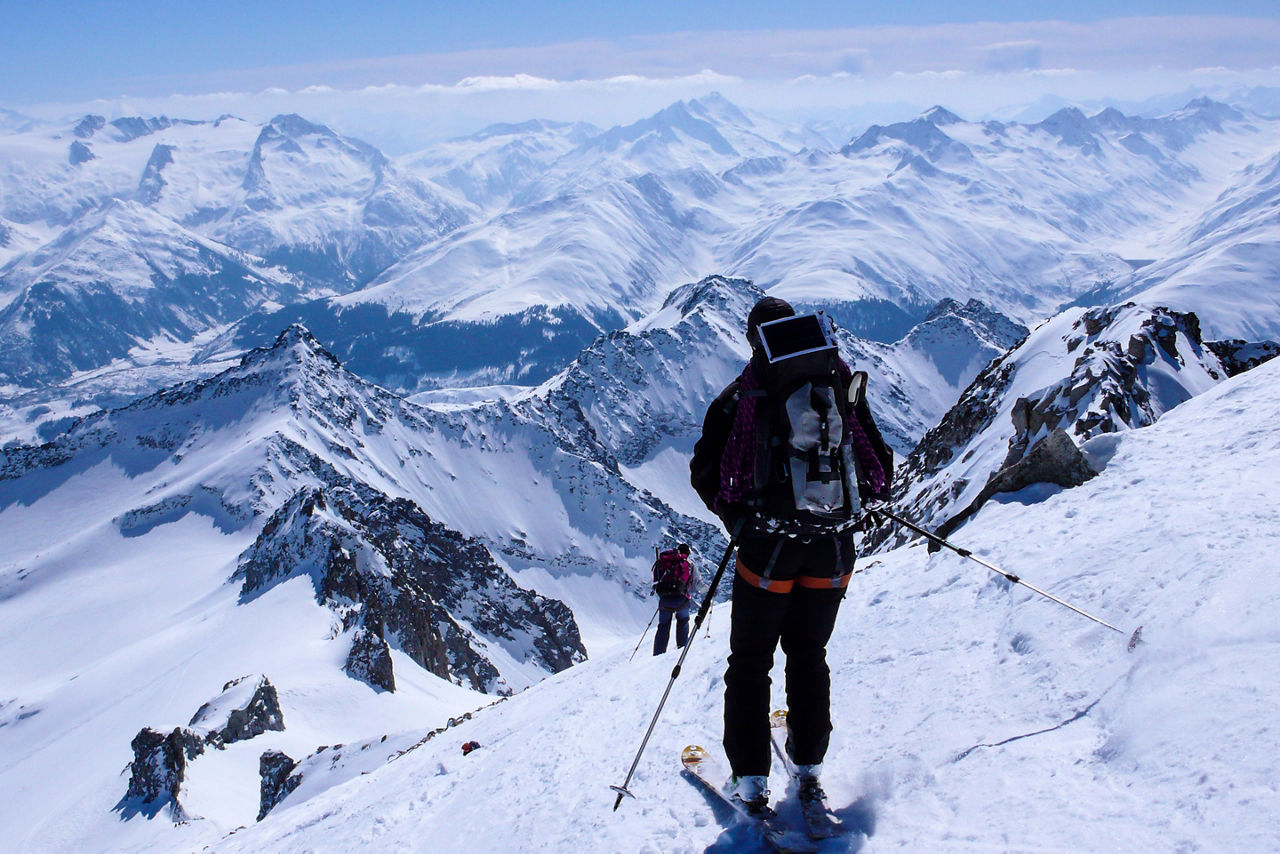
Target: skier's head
[769,308]
[683,548]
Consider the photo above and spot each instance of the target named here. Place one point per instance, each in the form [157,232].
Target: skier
[673,582]
[787,587]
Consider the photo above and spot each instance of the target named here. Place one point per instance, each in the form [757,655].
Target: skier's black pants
[802,620]
[669,606]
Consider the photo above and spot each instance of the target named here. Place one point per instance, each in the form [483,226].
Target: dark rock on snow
[278,780]
[370,660]
[1238,356]
[1055,459]
[244,719]
[384,563]
[160,764]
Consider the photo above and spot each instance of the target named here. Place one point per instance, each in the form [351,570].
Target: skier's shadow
[737,835]
[858,819]
[128,807]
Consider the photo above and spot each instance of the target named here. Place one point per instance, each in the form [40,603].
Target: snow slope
[1228,272]
[969,715]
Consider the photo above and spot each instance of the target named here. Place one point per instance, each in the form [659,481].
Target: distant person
[673,581]
[788,458]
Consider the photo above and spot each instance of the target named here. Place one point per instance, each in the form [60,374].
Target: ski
[820,823]
[701,770]
[778,721]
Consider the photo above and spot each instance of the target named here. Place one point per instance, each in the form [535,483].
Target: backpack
[672,575]
[805,468]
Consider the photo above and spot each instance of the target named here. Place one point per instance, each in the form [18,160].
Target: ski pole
[963,552]
[645,632]
[697,624]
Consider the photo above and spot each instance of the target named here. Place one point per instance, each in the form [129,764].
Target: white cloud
[1012,56]
[858,75]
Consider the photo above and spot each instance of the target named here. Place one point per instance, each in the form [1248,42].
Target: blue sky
[467,63]
[61,50]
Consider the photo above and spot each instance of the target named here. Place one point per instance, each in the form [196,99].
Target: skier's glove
[871,512]
[735,517]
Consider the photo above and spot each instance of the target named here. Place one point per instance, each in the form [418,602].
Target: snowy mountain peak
[674,124]
[1072,127]
[1111,119]
[294,125]
[922,136]
[720,294]
[939,115]
[89,125]
[1001,330]
[300,346]
[1210,112]
[717,108]
[289,145]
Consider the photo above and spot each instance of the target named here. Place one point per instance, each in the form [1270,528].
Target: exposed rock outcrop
[278,780]
[383,562]
[1238,356]
[243,710]
[1055,460]
[1124,366]
[159,767]
[370,660]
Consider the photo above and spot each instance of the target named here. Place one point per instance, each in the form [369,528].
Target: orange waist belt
[774,585]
